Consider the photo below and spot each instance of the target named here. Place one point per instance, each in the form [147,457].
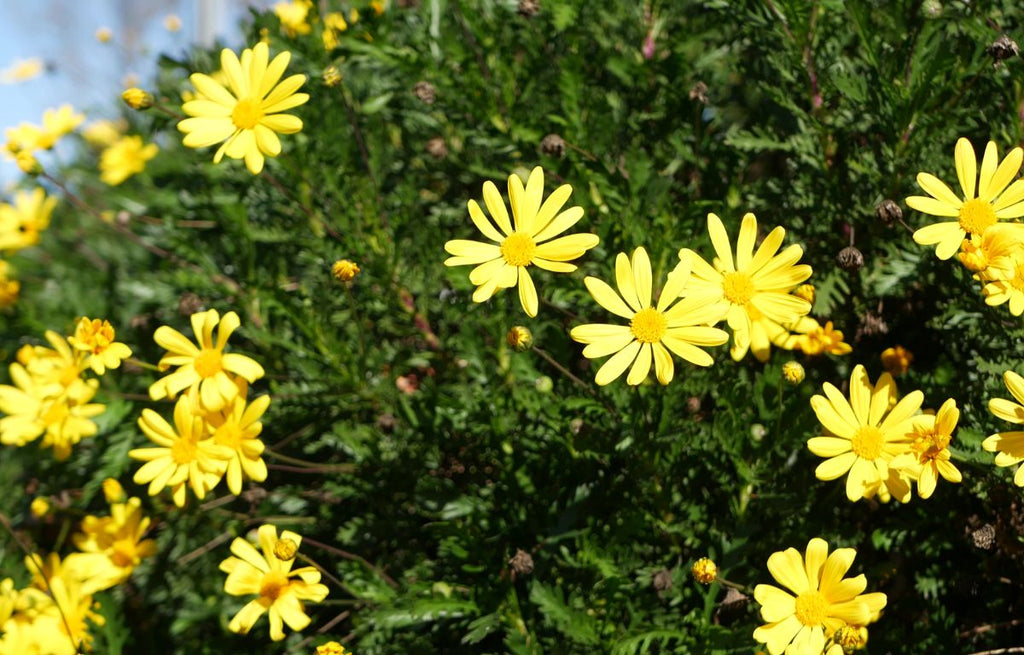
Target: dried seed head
[699,92]
[984,537]
[521,562]
[850,259]
[662,580]
[871,325]
[189,303]
[888,212]
[529,8]
[1002,49]
[425,92]
[553,145]
[437,148]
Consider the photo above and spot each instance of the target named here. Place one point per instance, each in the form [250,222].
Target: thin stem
[142,364]
[342,468]
[351,556]
[327,626]
[324,572]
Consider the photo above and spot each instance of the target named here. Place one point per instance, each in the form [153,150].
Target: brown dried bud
[437,148]
[529,8]
[888,212]
[984,537]
[425,92]
[1002,49]
[521,562]
[693,404]
[871,325]
[699,92]
[662,580]
[850,259]
[553,145]
[189,303]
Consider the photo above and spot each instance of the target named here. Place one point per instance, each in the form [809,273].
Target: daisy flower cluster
[215,429]
[759,293]
[54,613]
[51,397]
[26,140]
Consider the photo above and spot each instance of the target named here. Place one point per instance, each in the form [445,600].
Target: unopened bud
[113,491]
[40,507]
[331,648]
[332,76]
[28,164]
[520,338]
[136,98]
[793,373]
[805,291]
[285,549]
[344,270]
[704,571]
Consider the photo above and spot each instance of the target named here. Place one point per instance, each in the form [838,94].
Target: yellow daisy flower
[980,254]
[755,284]
[125,158]
[996,198]
[184,454]
[1009,446]
[813,339]
[244,114]
[21,223]
[112,546]
[929,451]
[203,369]
[22,70]
[238,427]
[863,434]
[96,338]
[279,589]
[896,360]
[520,243]
[1005,282]
[653,331]
[819,601]
[293,15]
[9,286]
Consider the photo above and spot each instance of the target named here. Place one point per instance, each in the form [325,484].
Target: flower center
[123,553]
[737,288]
[1017,281]
[246,114]
[57,412]
[867,442]
[229,435]
[648,325]
[183,451]
[977,215]
[208,363]
[518,249]
[811,608]
[273,585]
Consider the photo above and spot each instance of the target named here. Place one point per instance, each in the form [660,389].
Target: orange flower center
[977,215]
[247,113]
[867,442]
[518,249]
[737,288]
[208,363]
[648,325]
[811,608]
[123,553]
[274,584]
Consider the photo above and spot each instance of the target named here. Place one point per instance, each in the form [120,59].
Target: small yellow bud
[332,76]
[285,549]
[704,571]
[897,360]
[805,291]
[344,270]
[520,338]
[28,164]
[113,491]
[40,507]
[851,637]
[377,6]
[172,23]
[103,35]
[793,373]
[331,648]
[25,354]
[136,98]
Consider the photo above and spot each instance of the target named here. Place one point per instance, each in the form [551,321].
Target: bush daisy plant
[241,397]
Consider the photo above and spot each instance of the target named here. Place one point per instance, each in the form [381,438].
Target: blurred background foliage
[440,452]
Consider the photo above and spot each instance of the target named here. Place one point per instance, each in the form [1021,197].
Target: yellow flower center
[737,288]
[273,585]
[247,114]
[208,363]
[977,215]
[867,442]
[123,553]
[518,249]
[57,412]
[648,325]
[183,451]
[229,435]
[1017,281]
[811,608]
[929,446]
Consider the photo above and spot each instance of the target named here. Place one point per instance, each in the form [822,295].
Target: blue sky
[83,72]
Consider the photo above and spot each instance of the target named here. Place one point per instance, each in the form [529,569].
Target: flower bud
[28,164]
[136,98]
[704,571]
[331,648]
[793,373]
[285,549]
[332,76]
[344,270]
[805,291]
[113,491]
[40,507]
[520,338]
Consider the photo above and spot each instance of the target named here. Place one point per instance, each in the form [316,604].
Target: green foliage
[437,451]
